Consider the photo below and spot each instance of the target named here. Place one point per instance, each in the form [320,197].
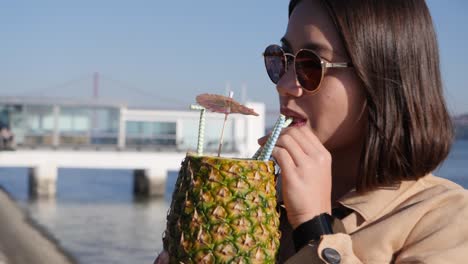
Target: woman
[361,79]
[366,137]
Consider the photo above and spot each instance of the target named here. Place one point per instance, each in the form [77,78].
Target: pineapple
[223,211]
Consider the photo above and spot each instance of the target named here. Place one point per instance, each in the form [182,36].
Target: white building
[78,124]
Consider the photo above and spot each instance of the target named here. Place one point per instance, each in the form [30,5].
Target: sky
[161,54]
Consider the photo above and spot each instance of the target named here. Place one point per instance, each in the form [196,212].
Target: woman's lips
[298,122]
[298,119]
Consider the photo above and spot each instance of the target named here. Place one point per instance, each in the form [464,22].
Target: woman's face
[336,112]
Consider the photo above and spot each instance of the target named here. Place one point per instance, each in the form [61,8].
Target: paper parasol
[223,104]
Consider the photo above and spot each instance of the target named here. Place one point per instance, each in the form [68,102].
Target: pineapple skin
[223,211]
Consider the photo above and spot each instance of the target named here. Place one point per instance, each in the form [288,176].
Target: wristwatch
[313,229]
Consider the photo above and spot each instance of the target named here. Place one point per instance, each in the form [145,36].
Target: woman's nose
[288,85]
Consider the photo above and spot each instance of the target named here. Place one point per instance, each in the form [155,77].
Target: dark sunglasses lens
[274,62]
[308,69]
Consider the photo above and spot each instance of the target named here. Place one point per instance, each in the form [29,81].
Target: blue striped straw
[259,150]
[270,144]
[257,153]
[201,128]
[287,122]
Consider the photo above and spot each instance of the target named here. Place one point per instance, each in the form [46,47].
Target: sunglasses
[308,66]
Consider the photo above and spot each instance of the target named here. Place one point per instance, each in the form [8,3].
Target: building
[95,124]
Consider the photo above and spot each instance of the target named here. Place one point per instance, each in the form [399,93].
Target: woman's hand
[306,174]
[163,258]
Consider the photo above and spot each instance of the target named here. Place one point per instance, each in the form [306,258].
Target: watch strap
[312,230]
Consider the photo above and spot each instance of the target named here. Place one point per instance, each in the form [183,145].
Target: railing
[98,140]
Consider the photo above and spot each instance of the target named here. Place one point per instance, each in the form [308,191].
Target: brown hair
[393,48]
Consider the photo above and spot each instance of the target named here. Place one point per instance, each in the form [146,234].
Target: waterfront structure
[55,133]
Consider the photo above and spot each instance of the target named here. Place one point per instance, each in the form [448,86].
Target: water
[455,166]
[96,218]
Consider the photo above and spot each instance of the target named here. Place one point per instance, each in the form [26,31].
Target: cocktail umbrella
[225,105]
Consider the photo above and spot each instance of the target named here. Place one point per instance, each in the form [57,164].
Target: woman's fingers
[306,174]
[293,148]
[299,145]
[261,141]
[284,159]
[302,146]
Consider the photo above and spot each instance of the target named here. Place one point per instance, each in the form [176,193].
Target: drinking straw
[257,153]
[259,150]
[287,122]
[270,144]
[201,128]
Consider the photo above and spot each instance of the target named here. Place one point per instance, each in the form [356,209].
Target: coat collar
[373,204]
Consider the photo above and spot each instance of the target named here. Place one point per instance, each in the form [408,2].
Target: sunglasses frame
[325,65]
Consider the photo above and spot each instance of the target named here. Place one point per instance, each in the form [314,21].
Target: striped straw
[201,128]
[287,122]
[270,144]
[257,153]
[259,150]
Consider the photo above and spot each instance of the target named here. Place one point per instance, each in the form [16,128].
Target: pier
[150,168]
[52,134]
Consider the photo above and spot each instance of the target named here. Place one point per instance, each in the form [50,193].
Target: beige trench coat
[423,221]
